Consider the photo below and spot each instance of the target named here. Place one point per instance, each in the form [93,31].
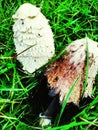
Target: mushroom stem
[51,111]
[52,108]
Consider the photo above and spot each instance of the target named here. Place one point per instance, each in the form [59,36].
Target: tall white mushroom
[82,58]
[33,37]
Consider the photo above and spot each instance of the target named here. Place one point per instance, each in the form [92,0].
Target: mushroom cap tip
[26,10]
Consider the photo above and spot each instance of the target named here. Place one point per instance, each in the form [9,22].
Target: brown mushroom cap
[63,72]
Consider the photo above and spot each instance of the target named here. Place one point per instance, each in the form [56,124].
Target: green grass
[70,20]
[66,100]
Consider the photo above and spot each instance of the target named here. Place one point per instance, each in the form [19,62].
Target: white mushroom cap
[79,56]
[31,30]
[26,10]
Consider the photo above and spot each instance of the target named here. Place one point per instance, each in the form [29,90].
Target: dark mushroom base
[47,117]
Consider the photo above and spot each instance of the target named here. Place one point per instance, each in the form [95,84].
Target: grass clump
[70,20]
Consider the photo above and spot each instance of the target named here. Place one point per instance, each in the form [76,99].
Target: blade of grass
[8,101]
[67,127]
[10,89]
[87,67]
[20,83]
[66,99]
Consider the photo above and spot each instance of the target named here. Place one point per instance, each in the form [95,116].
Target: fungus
[33,37]
[61,74]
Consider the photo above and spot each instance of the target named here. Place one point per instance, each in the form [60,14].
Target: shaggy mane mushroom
[62,73]
[33,37]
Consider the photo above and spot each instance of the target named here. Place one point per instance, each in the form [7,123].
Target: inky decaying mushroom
[33,37]
[80,63]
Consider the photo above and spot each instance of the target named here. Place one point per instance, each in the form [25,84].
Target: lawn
[21,95]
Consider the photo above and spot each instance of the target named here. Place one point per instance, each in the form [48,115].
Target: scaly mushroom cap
[63,72]
[33,37]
